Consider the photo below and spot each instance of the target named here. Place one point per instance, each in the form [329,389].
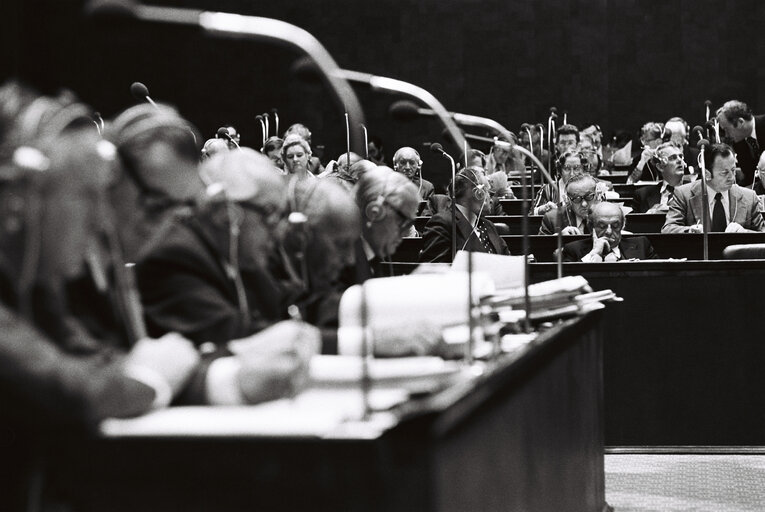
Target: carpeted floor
[672,483]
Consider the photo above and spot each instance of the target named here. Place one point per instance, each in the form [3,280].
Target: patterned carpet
[673,483]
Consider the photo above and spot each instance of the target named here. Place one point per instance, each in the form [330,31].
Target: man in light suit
[731,208]
[474,232]
[747,135]
[606,221]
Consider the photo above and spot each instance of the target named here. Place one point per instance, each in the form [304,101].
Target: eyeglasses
[409,163]
[578,199]
[675,157]
[572,168]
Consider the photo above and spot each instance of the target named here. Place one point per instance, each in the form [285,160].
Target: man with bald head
[407,162]
[606,221]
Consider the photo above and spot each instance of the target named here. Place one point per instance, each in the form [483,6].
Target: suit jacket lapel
[465,230]
[696,201]
[737,204]
[629,249]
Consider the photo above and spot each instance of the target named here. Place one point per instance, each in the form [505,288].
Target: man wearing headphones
[159,159]
[407,162]
[474,232]
[388,204]
[206,278]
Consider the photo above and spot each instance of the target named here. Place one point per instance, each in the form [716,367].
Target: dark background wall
[616,62]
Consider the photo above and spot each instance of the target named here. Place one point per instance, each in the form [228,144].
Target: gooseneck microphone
[141,93]
[237,26]
[703,145]
[265,120]
[259,118]
[708,108]
[275,113]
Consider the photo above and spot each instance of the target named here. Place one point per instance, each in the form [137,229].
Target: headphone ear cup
[375,211]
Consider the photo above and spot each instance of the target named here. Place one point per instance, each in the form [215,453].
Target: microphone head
[525,126]
[698,129]
[222,133]
[702,143]
[139,91]
[403,110]
[274,111]
[710,123]
[437,148]
[259,117]
[708,103]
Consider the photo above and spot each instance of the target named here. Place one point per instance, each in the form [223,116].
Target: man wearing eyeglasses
[581,194]
[606,220]
[474,232]
[407,162]
[668,159]
[731,208]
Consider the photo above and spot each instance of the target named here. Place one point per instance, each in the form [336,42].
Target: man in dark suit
[731,208]
[205,277]
[474,232]
[581,194]
[606,221]
[668,159]
[407,162]
[747,135]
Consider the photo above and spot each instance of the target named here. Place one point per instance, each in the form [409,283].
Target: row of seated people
[132,277]
[238,265]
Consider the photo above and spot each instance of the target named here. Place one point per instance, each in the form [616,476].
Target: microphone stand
[438,149]
[347,144]
[366,381]
[259,118]
[250,27]
[531,149]
[702,144]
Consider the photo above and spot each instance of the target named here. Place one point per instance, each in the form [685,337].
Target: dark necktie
[483,236]
[670,192]
[718,215]
[754,146]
